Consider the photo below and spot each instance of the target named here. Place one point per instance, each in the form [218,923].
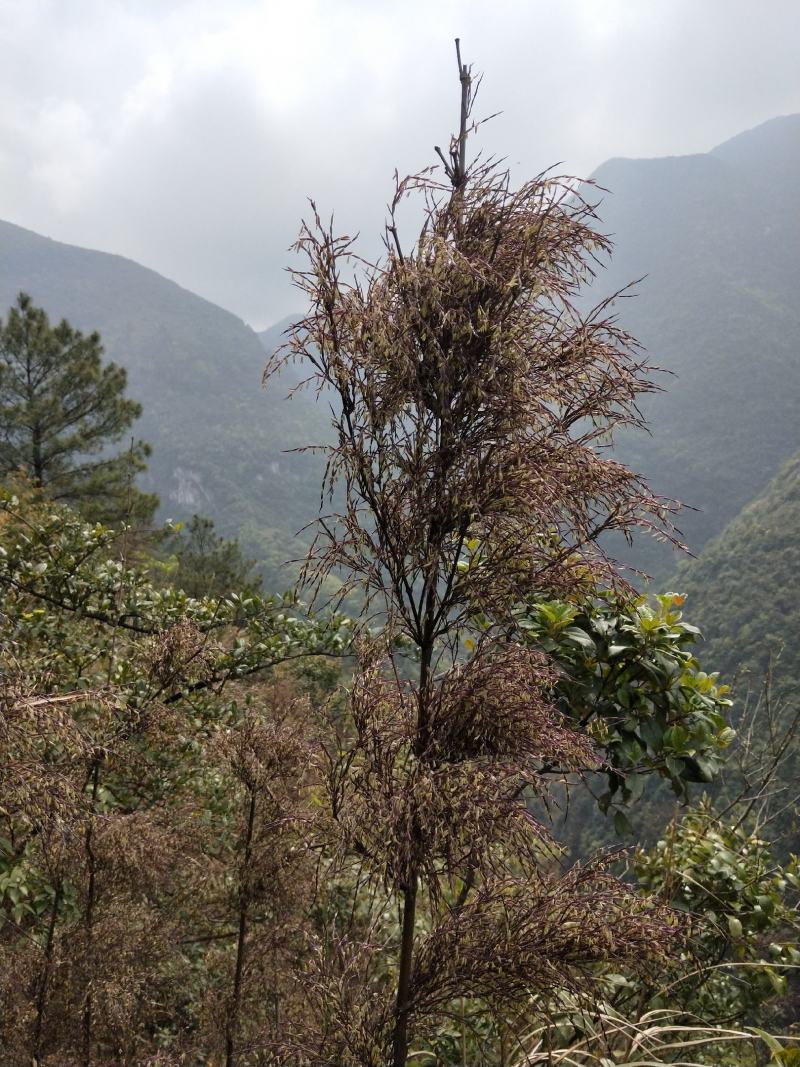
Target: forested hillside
[218,438]
[714,238]
[743,589]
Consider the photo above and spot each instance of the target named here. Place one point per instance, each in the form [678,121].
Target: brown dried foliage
[154,918]
[269,759]
[461,800]
[476,402]
[527,936]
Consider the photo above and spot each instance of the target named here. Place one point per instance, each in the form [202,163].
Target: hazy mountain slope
[718,238]
[743,592]
[218,438]
[743,589]
[274,336]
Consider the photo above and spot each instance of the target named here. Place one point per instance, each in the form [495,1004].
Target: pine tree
[203,563]
[61,408]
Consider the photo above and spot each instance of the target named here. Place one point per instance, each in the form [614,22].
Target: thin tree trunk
[232,1022]
[91,863]
[402,1011]
[37,463]
[36,458]
[463,1034]
[41,999]
[403,1002]
[466,84]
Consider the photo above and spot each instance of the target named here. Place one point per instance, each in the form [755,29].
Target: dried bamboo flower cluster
[473,407]
[476,402]
[450,804]
[523,937]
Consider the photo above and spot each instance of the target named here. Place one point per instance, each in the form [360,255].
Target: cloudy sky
[187,134]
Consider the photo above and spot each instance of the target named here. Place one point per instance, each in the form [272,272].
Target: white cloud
[187,133]
[66,153]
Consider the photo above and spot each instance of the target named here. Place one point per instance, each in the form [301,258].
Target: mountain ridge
[219,440]
[717,307]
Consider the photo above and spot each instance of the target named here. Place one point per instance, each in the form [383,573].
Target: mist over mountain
[274,336]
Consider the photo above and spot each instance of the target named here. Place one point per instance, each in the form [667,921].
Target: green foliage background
[743,589]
